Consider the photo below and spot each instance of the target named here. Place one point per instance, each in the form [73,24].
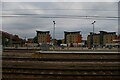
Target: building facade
[10,40]
[101,39]
[71,38]
[96,39]
[108,38]
[43,37]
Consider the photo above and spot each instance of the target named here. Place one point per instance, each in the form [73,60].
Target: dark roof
[107,32]
[10,36]
[111,32]
[72,32]
[43,31]
[103,31]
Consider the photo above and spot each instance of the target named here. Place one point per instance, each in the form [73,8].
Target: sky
[24,18]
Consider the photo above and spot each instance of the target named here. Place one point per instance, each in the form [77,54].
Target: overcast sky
[25,18]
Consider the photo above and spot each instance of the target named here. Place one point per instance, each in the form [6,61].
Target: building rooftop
[72,31]
[107,32]
[43,31]
[10,36]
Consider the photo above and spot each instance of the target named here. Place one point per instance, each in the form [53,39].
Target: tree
[59,42]
[35,39]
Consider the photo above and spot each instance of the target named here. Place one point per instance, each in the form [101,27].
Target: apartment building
[101,39]
[71,38]
[10,40]
[43,37]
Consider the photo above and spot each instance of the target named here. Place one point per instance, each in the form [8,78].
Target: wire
[63,16]
[63,9]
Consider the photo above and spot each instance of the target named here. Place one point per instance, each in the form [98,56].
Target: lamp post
[54,34]
[93,33]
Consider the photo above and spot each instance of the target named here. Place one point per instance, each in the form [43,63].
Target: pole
[54,35]
[93,33]
[93,36]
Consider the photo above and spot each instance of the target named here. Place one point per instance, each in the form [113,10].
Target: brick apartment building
[43,37]
[101,39]
[10,40]
[72,38]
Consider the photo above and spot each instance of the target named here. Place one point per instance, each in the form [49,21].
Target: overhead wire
[64,9]
[61,16]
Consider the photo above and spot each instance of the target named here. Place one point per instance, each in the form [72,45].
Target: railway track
[91,57]
[99,66]
[62,71]
[111,74]
[60,59]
